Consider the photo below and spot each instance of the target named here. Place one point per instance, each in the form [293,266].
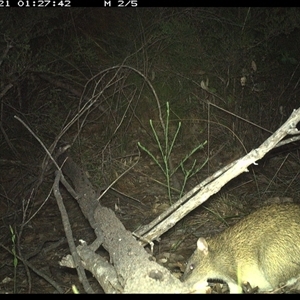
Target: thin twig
[69,235]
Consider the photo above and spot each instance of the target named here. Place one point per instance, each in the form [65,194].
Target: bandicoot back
[262,249]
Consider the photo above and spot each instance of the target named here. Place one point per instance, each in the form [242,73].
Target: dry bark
[131,269]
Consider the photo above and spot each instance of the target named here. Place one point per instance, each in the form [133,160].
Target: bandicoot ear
[202,245]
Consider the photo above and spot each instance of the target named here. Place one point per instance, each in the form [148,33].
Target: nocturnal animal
[262,249]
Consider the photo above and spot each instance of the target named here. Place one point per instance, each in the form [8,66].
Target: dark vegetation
[86,77]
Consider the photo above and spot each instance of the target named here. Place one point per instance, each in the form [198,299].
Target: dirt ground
[37,233]
[230,77]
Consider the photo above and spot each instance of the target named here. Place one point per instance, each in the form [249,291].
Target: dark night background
[53,61]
